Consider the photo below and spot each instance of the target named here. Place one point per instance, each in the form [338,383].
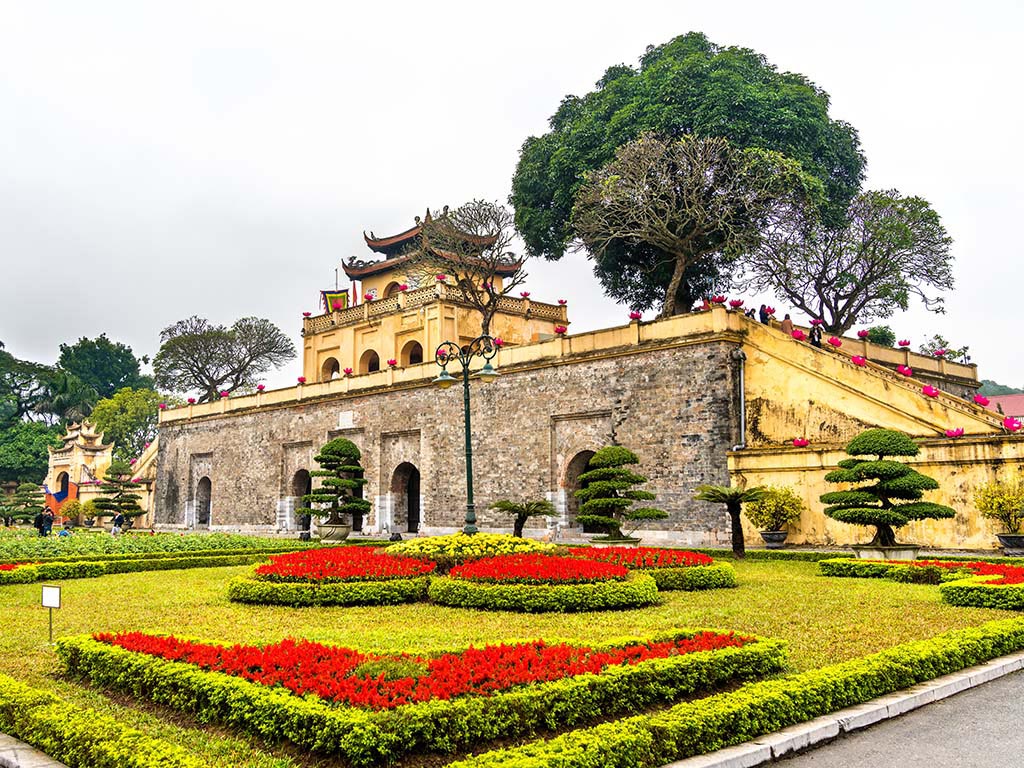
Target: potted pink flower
[498,342]
[958,432]
[525,294]
[801,442]
[858,360]
[635,315]
[798,334]
[560,330]
[191,401]
[162,406]
[306,314]
[260,387]
[720,299]
[904,342]
[770,311]
[225,393]
[403,287]
[929,391]
[835,341]
[393,363]
[562,302]
[301,379]
[863,333]
[1011,424]
[347,371]
[817,321]
[736,303]
[441,278]
[981,400]
[906,370]
[368,297]
[940,352]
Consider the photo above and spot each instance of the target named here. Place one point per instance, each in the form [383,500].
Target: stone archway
[369,362]
[391,290]
[204,496]
[405,498]
[412,353]
[571,483]
[331,369]
[302,484]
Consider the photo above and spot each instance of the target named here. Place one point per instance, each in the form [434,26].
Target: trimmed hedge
[868,569]
[693,577]
[635,591]
[25,574]
[367,738]
[198,553]
[974,591]
[81,738]
[300,594]
[697,727]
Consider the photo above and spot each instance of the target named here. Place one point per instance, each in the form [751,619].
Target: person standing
[815,335]
[47,522]
[787,326]
[763,314]
[115,528]
[37,523]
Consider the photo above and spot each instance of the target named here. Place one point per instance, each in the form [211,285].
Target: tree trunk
[669,307]
[517,526]
[739,549]
[884,535]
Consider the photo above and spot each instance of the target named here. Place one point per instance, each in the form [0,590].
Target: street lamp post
[484,347]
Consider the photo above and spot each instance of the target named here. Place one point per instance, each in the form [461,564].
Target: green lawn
[824,620]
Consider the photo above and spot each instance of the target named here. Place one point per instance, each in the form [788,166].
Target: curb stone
[796,738]
[17,754]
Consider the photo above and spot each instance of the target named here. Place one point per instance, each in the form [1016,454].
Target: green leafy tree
[688,199]
[776,508]
[890,249]
[610,492]
[129,420]
[196,356]
[27,502]
[104,365]
[733,498]
[937,343]
[66,399]
[23,454]
[341,477]
[23,385]
[118,492]
[686,86]
[882,335]
[1002,501]
[523,511]
[892,497]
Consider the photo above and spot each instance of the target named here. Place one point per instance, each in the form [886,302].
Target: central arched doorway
[369,362]
[204,494]
[302,485]
[572,483]
[405,496]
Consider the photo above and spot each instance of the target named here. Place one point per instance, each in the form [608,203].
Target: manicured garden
[823,621]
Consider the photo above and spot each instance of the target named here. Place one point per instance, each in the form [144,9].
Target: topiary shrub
[610,492]
[776,508]
[118,492]
[342,477]
[892,497]
[1002,501]
[523,510]
[27,502]
[71,509]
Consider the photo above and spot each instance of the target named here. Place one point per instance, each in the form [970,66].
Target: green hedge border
[26,574]
[110,556]
[242,589]
[691,578]
[368,738]
[726,719]
[637,590]
[976,592]
[850,567]
[81,738]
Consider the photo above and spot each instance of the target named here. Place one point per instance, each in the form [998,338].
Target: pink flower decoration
[560,329]
[306,314]
[146,446]
[441,278]
[817,321]
[958,432]
[736,303]
[403,287]
[348,371]
[939,353]
[442,353]
[981,400]
[368,296]
[799,335]
[162,406]
[136,479]
[906,370]
[132,462]
[835,341]
[392,362]
[191,401]
[1011,423]
[801,442]
[770,310]
[301,379]
[224,393]
[863,333]
[562,302]
[337,304]
[634,315]
[858,360]
[904,342]
[525,294]
[929,391]
[498,342]
[260,387]
[718,299]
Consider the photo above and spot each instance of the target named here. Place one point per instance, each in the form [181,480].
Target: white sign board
[51,597]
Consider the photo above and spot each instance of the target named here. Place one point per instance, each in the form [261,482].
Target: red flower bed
[332,672]
[341,564]
[643,557]
[1011,574]
[10,566]
[528,568]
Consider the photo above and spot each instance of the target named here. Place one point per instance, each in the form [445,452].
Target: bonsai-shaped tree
[523,510]
[734,499]
[892,499]
[71,509]
[27,502]
[609,493]
[777,507]
[1002,501]
[341,478]
[117,494]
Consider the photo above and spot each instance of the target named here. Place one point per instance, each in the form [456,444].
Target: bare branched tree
[472,246]
[891,249]
[690,199]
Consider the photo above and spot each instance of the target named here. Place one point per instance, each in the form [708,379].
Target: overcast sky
[220,159]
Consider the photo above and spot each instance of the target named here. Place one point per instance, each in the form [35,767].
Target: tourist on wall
[787,326]
[763,313]
[815,336]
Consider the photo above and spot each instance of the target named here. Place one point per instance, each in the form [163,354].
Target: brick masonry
[675,406]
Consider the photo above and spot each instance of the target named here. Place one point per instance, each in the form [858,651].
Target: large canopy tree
[196,356]
[687,86]
[686,200]
[23,455]
[128,420]
[102,364]
[890,249]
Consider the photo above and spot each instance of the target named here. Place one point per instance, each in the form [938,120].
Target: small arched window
[412,353]
[369,362]
[330,369]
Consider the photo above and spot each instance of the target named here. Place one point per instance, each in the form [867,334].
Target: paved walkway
[978,728]
[14,754]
